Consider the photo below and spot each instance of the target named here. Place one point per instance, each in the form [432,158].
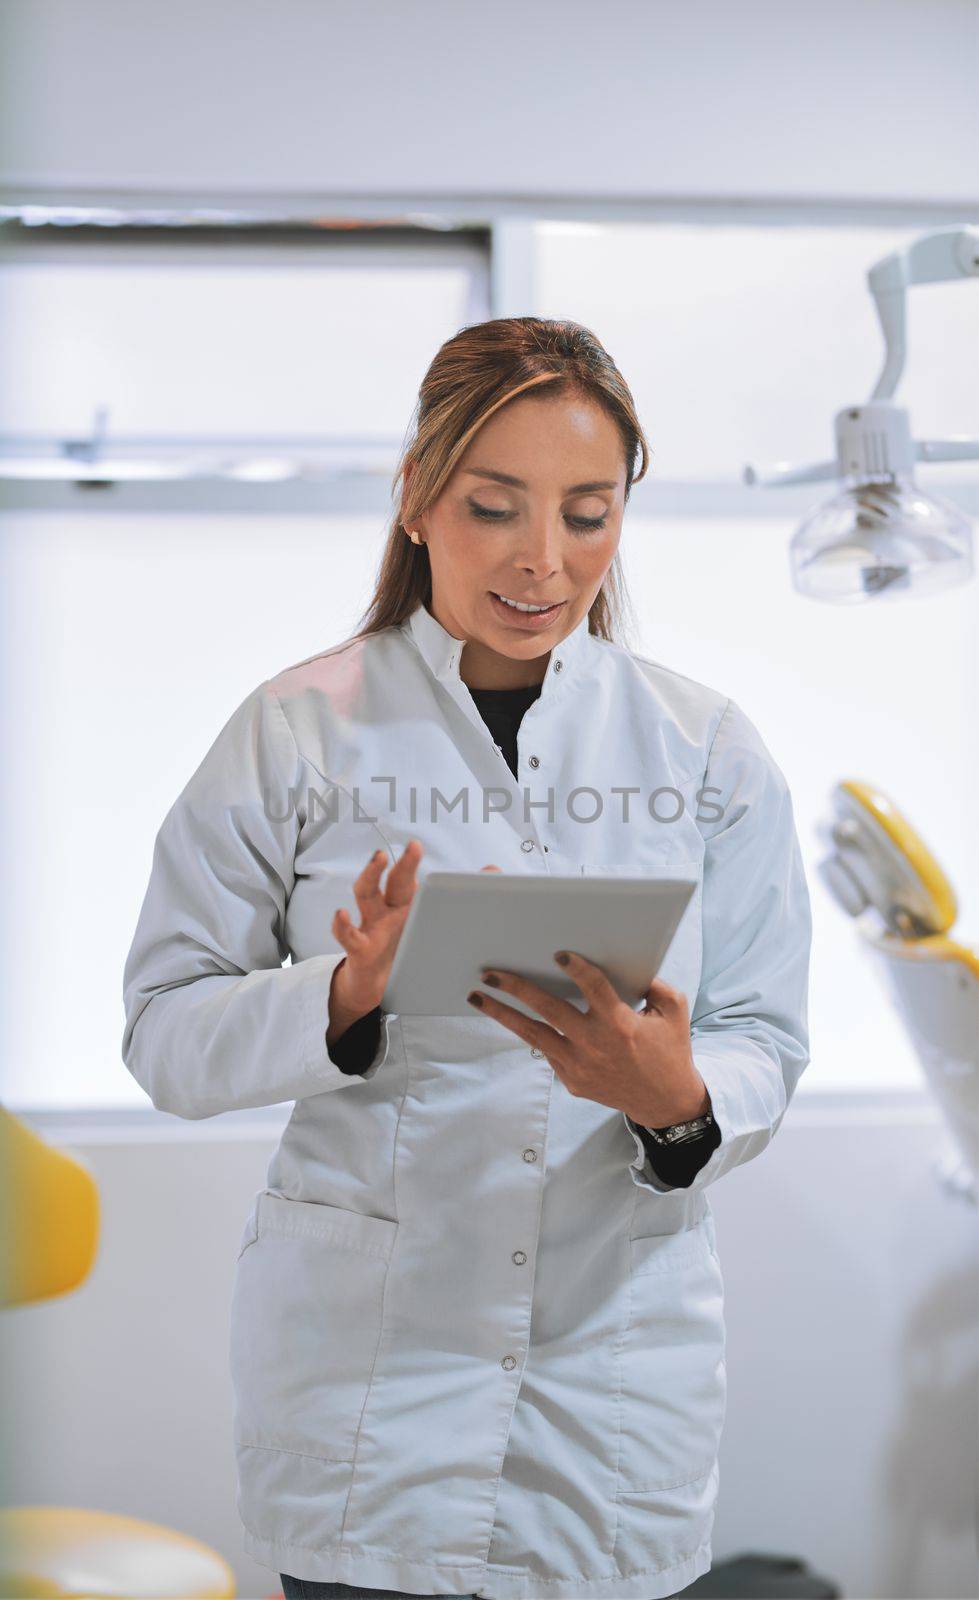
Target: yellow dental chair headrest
[49,1206]
[879,859]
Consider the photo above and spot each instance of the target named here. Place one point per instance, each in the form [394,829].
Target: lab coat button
[526,844]
[536,1052]
[535,761]
[509,1362]
[530,1155]
[557,666]
[519,1256]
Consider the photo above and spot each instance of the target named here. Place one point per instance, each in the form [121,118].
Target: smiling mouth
[527,608]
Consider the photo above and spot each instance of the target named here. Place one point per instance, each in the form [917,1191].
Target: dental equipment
[882,536]
[880,871]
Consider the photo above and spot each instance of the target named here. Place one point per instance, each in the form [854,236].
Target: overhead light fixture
[883,536]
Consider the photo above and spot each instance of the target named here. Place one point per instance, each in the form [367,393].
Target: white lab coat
[477,1347]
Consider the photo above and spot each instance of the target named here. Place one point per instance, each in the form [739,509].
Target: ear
[405,482]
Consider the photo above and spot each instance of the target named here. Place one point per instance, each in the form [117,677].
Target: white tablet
[463,922]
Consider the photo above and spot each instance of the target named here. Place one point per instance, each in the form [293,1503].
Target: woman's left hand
[638,1062]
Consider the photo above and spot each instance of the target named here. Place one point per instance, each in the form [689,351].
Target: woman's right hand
[361,977]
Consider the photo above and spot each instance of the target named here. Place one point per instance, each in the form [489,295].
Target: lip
[527,621]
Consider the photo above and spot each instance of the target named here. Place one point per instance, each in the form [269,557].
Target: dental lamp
[882,536]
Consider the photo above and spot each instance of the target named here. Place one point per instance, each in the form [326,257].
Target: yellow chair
[48,1245]
[881,872]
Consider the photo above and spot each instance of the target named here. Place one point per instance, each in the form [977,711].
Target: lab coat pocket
[681,965]
[250,1231]
[674,1377]
[305,1323]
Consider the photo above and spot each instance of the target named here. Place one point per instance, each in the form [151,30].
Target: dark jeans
[310,1589]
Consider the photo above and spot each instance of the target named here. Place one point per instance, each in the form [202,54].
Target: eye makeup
[488,514]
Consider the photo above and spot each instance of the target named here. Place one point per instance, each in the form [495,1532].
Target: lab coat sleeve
[749,1024]
[213,1020]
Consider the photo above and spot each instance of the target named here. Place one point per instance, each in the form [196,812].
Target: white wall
[844,99]
[850,1281]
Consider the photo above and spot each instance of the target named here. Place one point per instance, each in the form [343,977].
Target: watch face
[682,1132]
[687,1130]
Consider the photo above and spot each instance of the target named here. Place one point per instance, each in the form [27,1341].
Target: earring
[414,535]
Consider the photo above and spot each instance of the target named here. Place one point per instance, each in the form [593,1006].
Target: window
[205,351]
[128,636]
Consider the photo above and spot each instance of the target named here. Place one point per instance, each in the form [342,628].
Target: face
[532,512]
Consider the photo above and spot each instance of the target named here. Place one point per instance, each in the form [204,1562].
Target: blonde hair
[472,375]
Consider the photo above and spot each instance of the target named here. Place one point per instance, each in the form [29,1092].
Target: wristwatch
[682,1132]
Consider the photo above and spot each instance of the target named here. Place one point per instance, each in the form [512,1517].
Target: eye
[579,524]
[487,513]
[588,524]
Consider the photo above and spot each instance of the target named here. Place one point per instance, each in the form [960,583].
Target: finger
[561,1013]
[367,890]
[591,980]
[368,879]
[663,997]
[532,1033]
[491,869]
[665,993]
[346,933]
[401,881]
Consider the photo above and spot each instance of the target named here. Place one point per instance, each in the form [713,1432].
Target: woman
[477,1337]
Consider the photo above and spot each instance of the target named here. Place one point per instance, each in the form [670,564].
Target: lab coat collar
[442,652]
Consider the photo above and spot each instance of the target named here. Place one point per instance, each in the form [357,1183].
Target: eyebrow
[518,483]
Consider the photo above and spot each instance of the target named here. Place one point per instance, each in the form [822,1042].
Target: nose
[540,551]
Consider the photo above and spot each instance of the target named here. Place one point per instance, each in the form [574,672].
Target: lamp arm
[942,256]
[785,473]
[961,447]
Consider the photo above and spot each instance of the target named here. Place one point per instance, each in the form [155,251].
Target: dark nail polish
[492,980]
[474,998]
[562,958]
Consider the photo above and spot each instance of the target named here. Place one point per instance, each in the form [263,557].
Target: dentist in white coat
[477,1336]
